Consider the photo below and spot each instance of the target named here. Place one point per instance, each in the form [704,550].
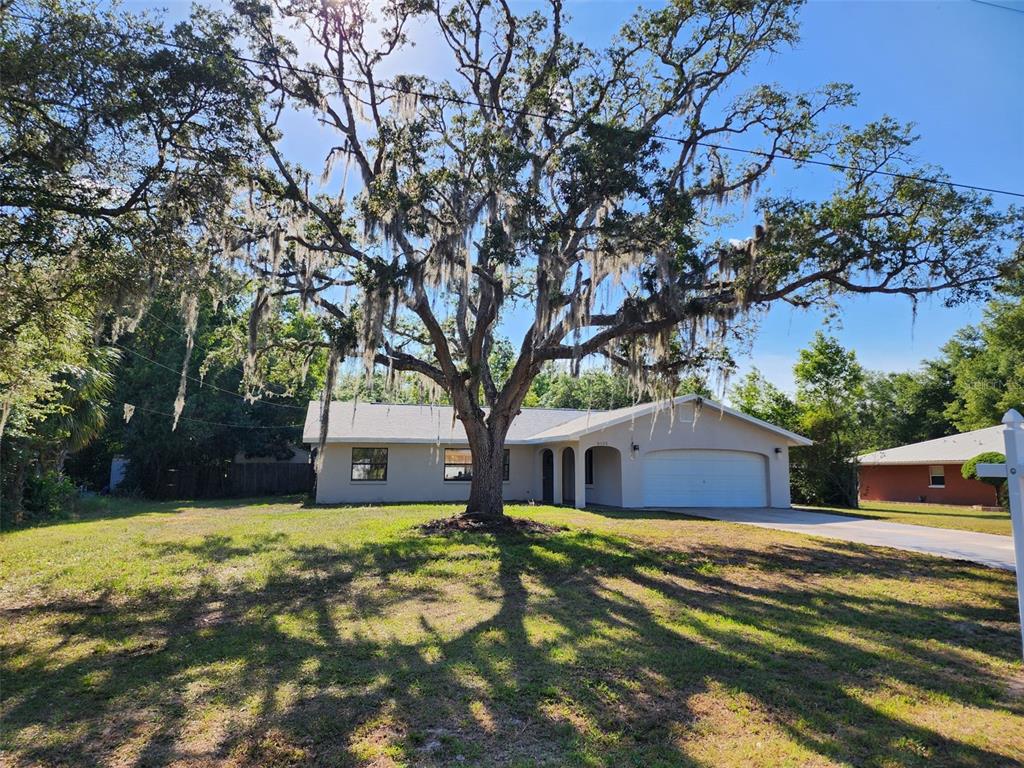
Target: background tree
[987,363]
[66,411]
[217,421]
[119,142]
[906,407]
[118,139]
[538,170]
[757,396]
[829,390]
[828,408]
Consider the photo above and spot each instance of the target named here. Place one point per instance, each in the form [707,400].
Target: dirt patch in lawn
[468,524]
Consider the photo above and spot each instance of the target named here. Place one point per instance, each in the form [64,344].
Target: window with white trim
[369,464]
[588,466]
[937,476]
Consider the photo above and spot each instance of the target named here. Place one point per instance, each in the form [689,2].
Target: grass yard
[933,515]
[271,634]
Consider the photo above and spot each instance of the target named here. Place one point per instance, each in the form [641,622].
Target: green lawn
[934,515]
[271,634]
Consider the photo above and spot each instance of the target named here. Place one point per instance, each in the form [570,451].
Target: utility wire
[236,368]
[997,5]
[207,384]
[569,116]
[205,421]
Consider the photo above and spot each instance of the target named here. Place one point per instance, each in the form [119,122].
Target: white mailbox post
[1013,471]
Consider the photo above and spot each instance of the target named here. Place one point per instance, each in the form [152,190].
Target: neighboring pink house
[930,472]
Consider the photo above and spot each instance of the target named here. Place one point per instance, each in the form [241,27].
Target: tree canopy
[580,181]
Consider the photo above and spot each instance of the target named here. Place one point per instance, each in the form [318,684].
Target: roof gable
[596,421]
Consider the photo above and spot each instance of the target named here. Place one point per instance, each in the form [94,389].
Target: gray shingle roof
[955,449]
[382,423]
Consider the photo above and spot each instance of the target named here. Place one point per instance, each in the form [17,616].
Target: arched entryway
[547,472]
[603,476]
[569,476]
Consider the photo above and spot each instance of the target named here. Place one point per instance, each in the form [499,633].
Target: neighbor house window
[936,477]
[588,466]
[458,464]
[369,463]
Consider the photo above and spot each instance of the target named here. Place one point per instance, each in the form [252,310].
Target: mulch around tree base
[468,524]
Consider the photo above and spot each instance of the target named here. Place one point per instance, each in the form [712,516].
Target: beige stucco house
[688,452]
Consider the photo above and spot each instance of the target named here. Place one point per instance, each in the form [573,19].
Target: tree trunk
[487,445]
[5,412]
[17,492]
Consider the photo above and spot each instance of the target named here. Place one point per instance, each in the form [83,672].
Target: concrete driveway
[985,548]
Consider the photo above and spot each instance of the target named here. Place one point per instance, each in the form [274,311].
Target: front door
[548,477]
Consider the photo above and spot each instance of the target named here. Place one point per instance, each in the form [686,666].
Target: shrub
[970,472]
[49,495]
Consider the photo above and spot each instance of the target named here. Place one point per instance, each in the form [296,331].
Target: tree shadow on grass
[575,648]
[97,508]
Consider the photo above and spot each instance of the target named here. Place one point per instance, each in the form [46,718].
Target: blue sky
[955,69]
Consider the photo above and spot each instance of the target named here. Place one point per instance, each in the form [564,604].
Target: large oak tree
[586,184]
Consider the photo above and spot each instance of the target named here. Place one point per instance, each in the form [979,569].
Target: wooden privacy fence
[236,480]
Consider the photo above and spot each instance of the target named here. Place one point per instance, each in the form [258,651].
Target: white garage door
[692,478]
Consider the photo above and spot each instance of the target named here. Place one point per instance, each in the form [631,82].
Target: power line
[207,384]
[570,116]
[236,368]
[997,5]
[205,421]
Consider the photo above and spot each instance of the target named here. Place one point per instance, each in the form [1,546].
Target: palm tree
[82,413]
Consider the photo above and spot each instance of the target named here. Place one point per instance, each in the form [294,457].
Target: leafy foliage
[830,389]
[969,470]
[987,363]
[116,151]
[849,411]
[907,407]
[757,396]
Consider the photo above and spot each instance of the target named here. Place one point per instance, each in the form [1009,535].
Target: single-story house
[930,471]
[687,452]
